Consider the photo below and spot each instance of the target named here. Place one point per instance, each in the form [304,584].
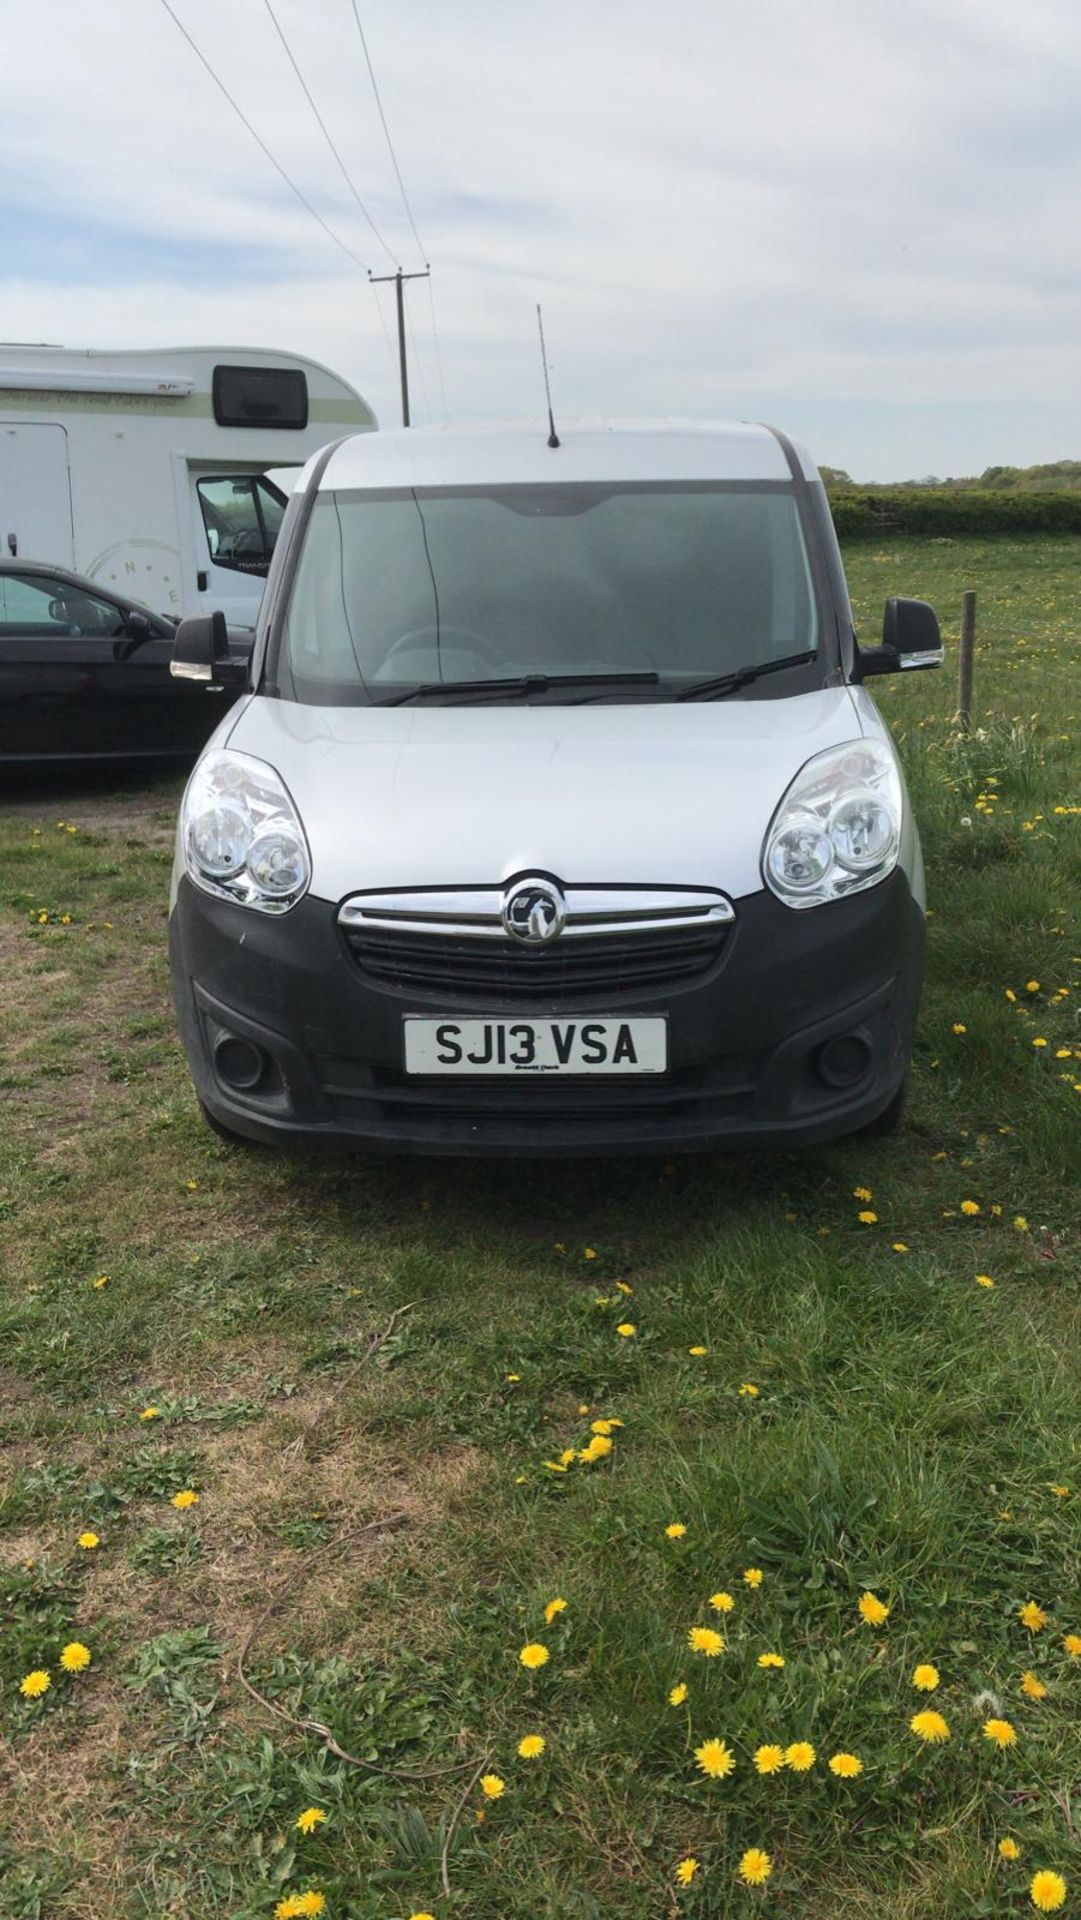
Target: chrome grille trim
[591,911]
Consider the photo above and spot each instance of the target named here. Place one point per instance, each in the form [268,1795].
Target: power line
[261,143]
[390,144]
[422,249]
[342,168]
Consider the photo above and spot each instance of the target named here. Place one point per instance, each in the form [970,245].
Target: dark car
[84,674]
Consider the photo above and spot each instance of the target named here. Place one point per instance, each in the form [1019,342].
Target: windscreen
[400,589]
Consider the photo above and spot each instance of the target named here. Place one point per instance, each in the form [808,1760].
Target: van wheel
[889,1120]
[223,1132]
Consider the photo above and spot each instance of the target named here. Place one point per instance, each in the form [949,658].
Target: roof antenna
[553,437]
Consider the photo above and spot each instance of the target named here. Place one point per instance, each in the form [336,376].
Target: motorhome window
[690,580]
[38,606]
[242,515]
[260,397]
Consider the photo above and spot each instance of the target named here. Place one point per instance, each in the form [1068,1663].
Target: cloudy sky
[855,218]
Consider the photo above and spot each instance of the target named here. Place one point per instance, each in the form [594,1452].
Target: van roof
[519,453]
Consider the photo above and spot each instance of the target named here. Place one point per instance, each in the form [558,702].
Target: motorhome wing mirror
[201,651]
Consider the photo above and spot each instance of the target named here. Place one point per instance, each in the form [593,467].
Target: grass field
[379,1380]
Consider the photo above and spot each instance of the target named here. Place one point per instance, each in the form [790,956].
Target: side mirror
[201,652]
[910,638]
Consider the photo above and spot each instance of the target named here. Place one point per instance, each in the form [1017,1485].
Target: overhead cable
[390,144]
[342,168]
[261,143]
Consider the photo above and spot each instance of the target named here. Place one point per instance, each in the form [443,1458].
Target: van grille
[603,968]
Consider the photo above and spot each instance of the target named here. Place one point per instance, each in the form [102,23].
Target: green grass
[908,1431]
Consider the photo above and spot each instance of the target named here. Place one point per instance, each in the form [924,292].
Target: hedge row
[949,510]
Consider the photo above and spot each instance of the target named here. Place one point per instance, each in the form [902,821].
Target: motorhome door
[35,494]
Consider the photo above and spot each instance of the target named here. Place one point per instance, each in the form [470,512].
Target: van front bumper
[288,1039]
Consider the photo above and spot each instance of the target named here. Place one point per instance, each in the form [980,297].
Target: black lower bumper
[287,1038]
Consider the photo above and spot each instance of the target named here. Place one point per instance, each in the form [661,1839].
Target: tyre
[889,1120]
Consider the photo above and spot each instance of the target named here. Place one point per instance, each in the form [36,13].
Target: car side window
[40,607]
[242,515]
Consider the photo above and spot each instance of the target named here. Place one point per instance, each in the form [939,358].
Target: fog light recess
[843,1061]
[240,1063]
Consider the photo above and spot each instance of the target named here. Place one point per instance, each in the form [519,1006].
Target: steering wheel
[435,637]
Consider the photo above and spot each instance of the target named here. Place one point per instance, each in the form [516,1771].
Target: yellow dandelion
[422,1916]
[1048,1891]
[1033,1687]
[755,1867]
[598,1449]
[603,1427]
[185,1498]
[287,1909]
[1072,1644]
[721,1602]
[626,1328]
[698,1352]
[555,1466]
[930,1726]
[512,1379]
[1060,1493]
[845,1765]
[705,1640]
[150,1413]
[753,1576]
[771,1660]
[925,1677]
[768,1759]
[531,1747]
[675,1530]
[492,1787]
[686,1870]
[1032,1617]
[958,1028]
[862,1193]
[35,1684]
[1020,1223]
[715,1759]
[555,1606]
[1001,1732]
[589,1253]
[101,1281]
[622,1287]
[984,1280]
[800,1756]
[75,1658]
[678,1694]
[900,1246]
[749,1390]
[310,1819]
[88,1541]
[534,1655]
[970,1207]
[867,1218]
[309,1903]
[1008,1849]
[873,1610]
[1032,986]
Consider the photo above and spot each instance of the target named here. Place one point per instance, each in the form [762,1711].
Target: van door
[237,520]
[35,494]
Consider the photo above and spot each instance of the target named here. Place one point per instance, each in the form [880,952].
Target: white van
[145,471]
[557,816]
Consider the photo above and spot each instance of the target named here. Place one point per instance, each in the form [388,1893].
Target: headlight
[241,834]
[838,828]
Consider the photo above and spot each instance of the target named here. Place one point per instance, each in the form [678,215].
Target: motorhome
[162,475]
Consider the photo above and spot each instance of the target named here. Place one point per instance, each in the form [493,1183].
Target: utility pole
[378,280]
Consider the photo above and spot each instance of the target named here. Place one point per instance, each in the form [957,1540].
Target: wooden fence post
[964,674]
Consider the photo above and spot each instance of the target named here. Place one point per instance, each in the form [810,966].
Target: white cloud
[848,217]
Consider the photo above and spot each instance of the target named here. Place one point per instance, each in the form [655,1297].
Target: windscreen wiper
[523,683]
[740,677]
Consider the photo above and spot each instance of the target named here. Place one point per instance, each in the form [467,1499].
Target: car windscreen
[397,590]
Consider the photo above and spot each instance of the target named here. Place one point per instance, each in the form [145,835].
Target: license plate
[576,1045]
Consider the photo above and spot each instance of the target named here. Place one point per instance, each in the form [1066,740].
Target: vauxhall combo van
[555,815]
